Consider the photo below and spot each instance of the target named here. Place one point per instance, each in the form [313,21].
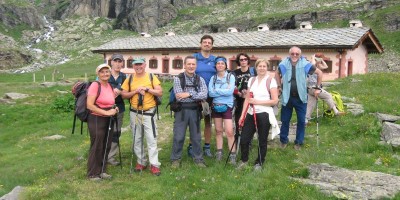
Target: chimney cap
[305,25]
[263,27]
[144,34]
[232,29]
[355,23]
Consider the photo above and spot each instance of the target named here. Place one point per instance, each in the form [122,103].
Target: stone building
[345,50]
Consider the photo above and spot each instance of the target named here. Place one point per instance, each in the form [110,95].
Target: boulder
[352,184]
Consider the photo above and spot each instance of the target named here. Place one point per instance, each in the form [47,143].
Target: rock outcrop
[12,15]
[352,184]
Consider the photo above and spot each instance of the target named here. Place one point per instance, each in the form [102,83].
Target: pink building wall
[358,58]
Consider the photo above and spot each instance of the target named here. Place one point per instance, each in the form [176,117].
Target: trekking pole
[237,139]
[317,124]
[119,146]
[108,133]
[142,151]
[133,142]
[258,134]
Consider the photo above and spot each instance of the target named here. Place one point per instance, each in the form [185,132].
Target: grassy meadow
[56,169]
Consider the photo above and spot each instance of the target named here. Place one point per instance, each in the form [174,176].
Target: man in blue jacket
[292,82]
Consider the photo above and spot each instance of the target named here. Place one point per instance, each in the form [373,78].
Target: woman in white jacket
[259,101]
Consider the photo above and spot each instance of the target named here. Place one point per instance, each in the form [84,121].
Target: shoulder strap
[268,83]
[151,80]
[252,81]
[182,80]
[130,82]
[98,91]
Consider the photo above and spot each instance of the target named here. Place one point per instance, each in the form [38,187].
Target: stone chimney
[144,34]
[169,33]
[355,23]
[232,30]
[305,25]
[263,27]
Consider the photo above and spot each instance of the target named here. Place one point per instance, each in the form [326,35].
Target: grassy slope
[56,169]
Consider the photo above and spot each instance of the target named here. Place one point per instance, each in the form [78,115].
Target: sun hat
[139,60]
[101,66]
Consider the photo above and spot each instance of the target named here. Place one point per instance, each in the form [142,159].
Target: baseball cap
[139,60]
[101,66]
[117,56]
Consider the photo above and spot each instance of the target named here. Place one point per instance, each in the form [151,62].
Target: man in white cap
[141,92]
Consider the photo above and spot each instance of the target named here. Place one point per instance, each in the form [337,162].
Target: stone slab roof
[332,38]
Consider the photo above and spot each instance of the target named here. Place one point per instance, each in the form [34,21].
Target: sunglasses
[119,61]
[245,59]
[294,54]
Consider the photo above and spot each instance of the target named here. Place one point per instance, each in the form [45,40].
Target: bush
[64,103]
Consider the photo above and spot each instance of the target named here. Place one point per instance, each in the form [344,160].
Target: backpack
[337,98]
[79,90]
[228,77]
[268,83]
[252,71]
[172,98]
[157,99]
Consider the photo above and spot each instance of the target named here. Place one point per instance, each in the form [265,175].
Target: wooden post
[34,77]
[44,78]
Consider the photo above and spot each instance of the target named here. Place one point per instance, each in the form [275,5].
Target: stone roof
[332,38]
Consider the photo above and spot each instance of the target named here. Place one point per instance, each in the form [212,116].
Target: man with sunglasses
[292,83]
[116,80]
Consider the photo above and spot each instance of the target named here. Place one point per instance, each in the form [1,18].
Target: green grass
[56,169]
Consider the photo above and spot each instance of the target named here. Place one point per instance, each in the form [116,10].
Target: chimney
[355,23]
[263,27]
[232,30]
[144,34]
[169,33]
[305,25]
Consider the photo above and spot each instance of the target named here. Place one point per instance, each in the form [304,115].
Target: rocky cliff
[137,15]
[12,15]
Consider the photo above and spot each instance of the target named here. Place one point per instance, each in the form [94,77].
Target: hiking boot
[218,155]
[175,164]
[297,147]
[257,167]
[112,161]
[139,167]
[200,163]
[94,178]
[207,152]
[241,165]
[155,170]
[232,159]
[105,176]
[283,146]
[190,151]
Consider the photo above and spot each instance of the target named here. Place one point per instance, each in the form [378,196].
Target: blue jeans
[286,115]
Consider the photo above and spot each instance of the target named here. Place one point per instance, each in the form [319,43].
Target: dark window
[273,65]
[129,63]
[329,69]
[177,63]
[153,64]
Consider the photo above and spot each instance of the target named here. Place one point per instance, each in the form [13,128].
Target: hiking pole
[133,142]
[258,134]
[108,133]
[119,146]
[142,150]
[237,139]
[317,124]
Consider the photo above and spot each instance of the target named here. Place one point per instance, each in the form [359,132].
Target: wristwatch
[147,89]
[190,95]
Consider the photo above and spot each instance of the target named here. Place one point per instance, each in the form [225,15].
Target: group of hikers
[242,103]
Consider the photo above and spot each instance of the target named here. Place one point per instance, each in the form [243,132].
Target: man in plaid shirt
[189,114]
